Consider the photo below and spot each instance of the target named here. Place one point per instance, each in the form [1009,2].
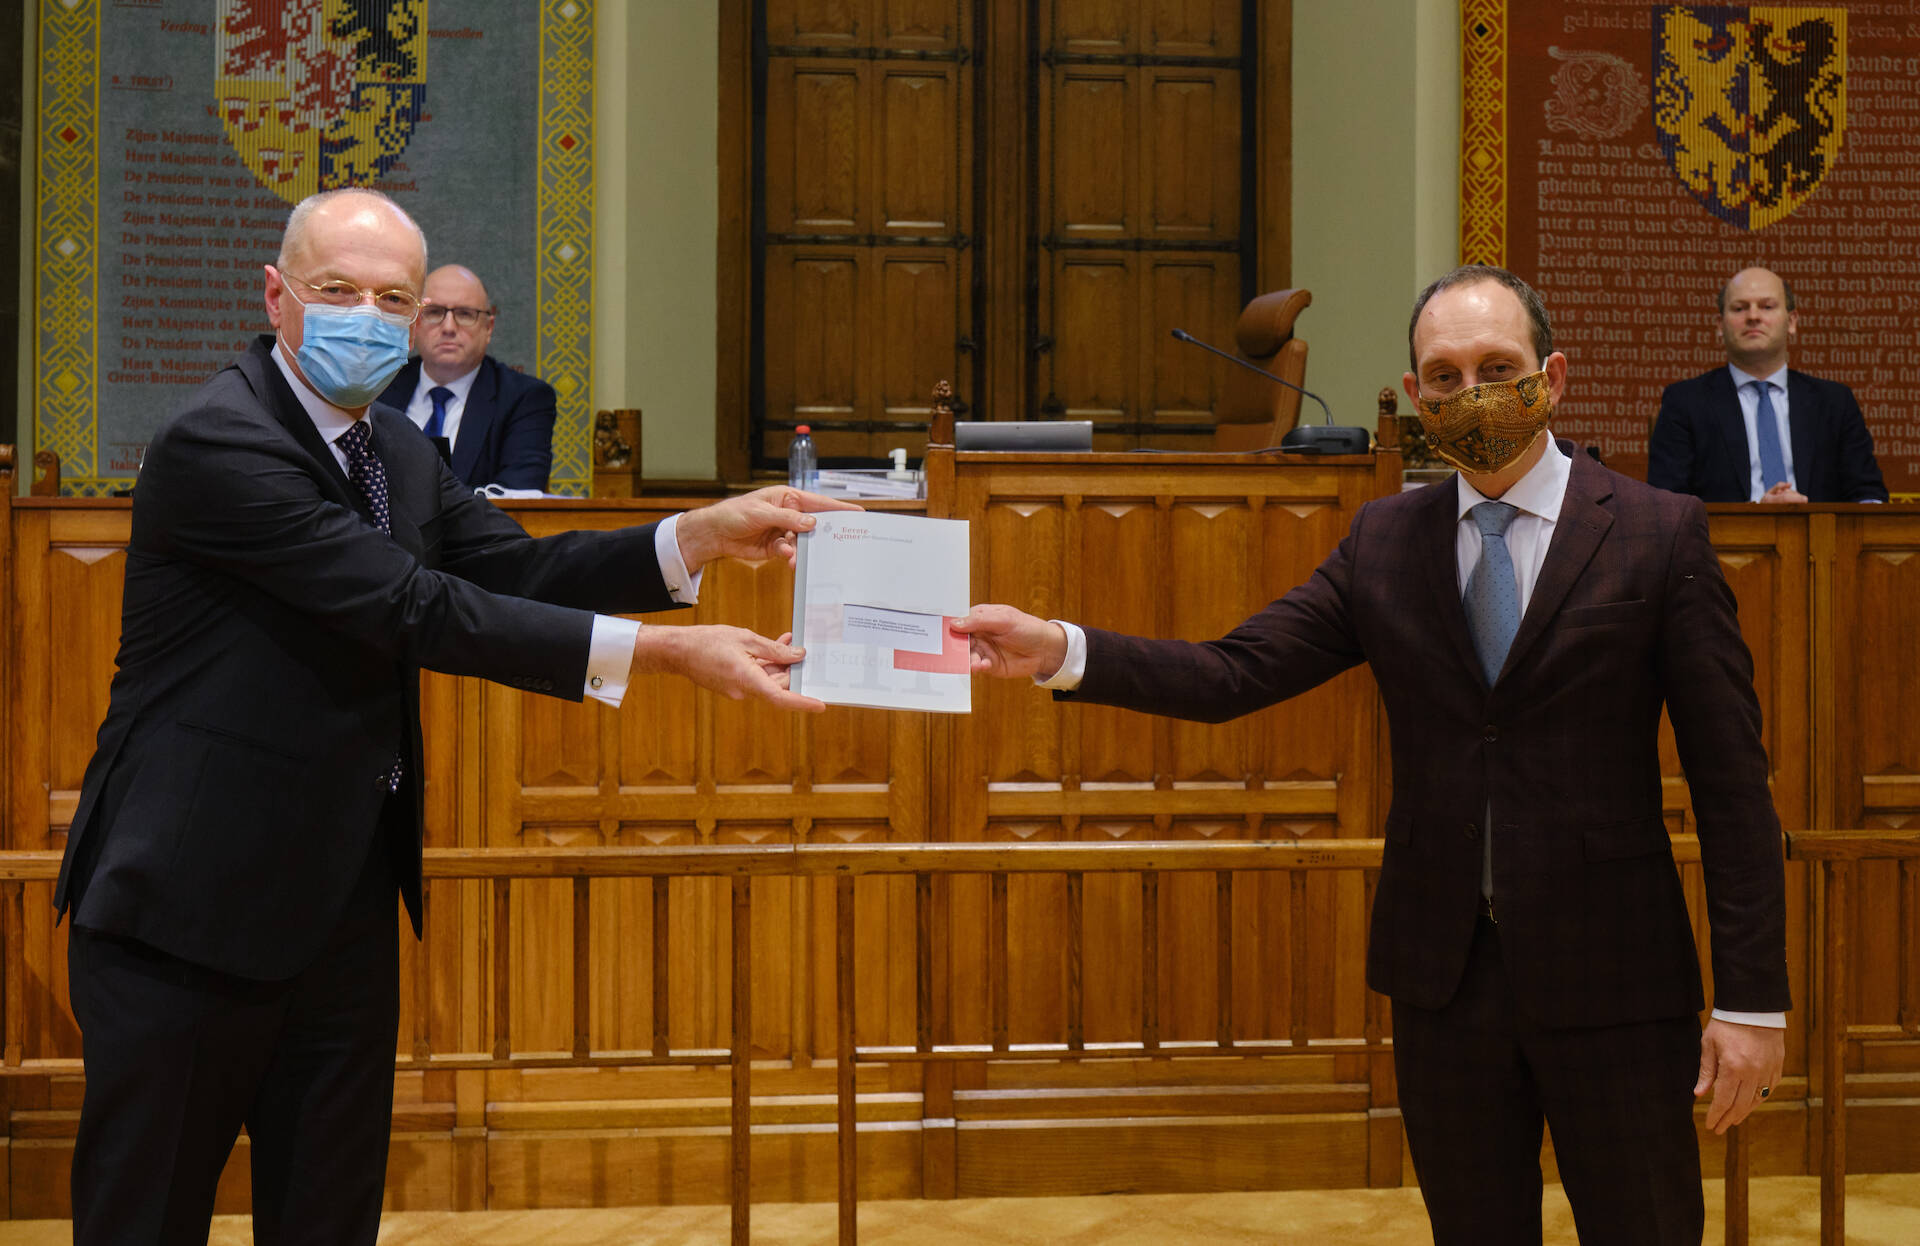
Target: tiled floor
[1881,1211]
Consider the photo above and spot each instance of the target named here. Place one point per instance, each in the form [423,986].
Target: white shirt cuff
[1074,669]
[683,586]
[1766,1020]
[610,658]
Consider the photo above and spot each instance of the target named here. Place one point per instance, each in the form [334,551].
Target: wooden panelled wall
[1023,197]
[1829,600]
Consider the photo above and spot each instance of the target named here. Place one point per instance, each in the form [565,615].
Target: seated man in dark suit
[498,421]
[1754,431]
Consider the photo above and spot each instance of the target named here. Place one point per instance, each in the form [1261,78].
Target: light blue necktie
[1493,616]
[1493,596]
[1773,464]
[440,396]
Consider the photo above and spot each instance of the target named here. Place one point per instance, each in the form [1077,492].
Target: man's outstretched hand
[1009,644]
[752,527]
[732,661]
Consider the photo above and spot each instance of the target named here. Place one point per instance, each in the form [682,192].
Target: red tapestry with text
[1650,151]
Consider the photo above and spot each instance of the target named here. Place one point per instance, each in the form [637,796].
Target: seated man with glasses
[497,422]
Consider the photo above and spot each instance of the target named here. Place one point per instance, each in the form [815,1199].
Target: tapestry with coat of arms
[172,141]
[1628,158]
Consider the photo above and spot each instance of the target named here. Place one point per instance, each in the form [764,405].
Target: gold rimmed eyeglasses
[398,306]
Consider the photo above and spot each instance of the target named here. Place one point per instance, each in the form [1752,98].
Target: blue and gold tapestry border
[67,243]
[563,258]
[1483,131]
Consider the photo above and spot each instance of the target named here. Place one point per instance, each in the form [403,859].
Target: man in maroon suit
[1526,621]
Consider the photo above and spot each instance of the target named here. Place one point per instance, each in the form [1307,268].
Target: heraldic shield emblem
[318,95]
[1750,104]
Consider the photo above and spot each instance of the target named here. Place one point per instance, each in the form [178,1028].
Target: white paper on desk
[871,598]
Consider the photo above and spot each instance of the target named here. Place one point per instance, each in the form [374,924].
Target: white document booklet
[872,595]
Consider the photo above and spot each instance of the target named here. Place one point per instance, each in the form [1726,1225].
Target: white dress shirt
[1750,413]
[610,647]
[420,407]
[1538,496]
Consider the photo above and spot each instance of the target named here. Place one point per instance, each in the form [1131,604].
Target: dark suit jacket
[506,430]
[1700,446]
[268,673]
[1630,612]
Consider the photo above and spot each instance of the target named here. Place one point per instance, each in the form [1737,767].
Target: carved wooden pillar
[616,453]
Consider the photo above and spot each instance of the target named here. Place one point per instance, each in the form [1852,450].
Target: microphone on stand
[1328,438]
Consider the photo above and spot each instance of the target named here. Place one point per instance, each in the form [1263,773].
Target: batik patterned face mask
[1482,429]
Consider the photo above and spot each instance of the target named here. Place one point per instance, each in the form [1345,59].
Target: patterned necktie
[365,471]
[1766,426]
[1493,595]
[440,396]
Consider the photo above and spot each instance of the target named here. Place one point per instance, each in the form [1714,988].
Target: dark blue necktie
[440,396]
[1493,595]
[1766,426]
[369,476]
[366,472]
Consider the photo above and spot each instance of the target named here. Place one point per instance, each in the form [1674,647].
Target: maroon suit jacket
[1630,612]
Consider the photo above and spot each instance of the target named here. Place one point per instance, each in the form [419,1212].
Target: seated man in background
[1754,431]
[499,422]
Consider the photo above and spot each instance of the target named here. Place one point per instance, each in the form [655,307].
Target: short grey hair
[301,218]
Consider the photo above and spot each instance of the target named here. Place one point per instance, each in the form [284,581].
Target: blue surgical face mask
[349,353]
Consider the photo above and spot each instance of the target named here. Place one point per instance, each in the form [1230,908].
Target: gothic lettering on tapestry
[1653,150]
[206,120]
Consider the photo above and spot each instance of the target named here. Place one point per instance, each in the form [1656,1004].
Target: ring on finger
[1765,1091]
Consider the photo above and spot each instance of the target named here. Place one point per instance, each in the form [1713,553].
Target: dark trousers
[1478,1078]
[178,1057]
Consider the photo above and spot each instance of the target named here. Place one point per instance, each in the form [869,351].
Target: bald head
[448,348]
[1757,277]
[350,217]
[455,285]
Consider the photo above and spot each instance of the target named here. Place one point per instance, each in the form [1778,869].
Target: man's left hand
[1736,1063]
[752,527]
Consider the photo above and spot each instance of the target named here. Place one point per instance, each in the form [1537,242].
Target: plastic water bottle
[803,469]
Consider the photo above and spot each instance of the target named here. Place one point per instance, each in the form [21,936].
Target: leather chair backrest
[1253,412]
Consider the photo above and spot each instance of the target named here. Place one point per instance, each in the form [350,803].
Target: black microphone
[1328,438]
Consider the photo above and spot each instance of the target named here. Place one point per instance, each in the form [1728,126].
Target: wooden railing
[1837,856]
[926,864]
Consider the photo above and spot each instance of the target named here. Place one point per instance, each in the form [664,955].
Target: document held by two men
[872,596]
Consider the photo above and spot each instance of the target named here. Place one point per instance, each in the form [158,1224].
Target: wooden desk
[1173,544]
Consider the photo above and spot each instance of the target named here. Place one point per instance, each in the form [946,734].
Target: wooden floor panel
[1882,1210]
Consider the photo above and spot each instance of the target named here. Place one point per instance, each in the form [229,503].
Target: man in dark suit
[1756,431]
[254,803]
[1525,621]
[499,422]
